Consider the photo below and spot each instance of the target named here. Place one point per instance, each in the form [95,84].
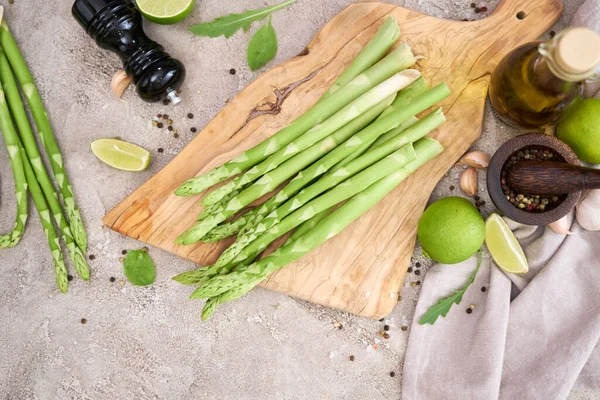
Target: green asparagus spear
[44,129]
[320,132]
[369,134]
[396,61]
[306,226]
[16,162]
[343,191]
[253,274]
[18,111]
[60,268]
[374,51]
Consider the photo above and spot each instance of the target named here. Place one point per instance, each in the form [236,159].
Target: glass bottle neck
[548,50]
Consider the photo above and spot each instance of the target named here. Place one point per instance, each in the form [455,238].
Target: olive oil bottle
[535,83]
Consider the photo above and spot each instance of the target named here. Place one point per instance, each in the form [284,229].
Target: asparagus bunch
[343,156]
[28,166]
[223,288]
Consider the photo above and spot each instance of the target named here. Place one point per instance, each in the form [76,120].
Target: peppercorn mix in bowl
[523,207]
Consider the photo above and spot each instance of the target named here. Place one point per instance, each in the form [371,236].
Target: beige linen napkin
[528,337]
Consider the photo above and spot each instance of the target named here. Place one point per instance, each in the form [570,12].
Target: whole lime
[451,230]
[580,129]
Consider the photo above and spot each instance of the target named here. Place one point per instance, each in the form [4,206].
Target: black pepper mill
[116,25]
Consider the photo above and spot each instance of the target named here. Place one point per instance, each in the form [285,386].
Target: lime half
[504,247]
[121,155]
[165,12]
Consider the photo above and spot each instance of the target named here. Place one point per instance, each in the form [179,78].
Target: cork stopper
[577,52]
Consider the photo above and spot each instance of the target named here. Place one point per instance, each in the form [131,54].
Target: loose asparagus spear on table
[35,159]
[44,129]
[16,162]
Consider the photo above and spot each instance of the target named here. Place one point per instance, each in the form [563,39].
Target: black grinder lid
[85,10]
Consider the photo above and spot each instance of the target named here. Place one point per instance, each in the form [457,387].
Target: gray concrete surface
[149,343]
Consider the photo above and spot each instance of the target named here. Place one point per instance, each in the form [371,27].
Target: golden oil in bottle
[536,82]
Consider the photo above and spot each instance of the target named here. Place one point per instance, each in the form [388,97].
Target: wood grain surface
[362,269]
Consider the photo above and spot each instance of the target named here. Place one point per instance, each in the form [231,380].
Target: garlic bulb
[561,226]
[120,82]
[588,211]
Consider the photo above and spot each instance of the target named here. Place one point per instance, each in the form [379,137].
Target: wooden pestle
[550,177]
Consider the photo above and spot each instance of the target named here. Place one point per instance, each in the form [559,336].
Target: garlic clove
[588,211]
[120,82]
[561,226]
[475,159]
[468,181]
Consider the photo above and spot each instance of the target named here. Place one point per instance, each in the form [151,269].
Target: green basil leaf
[139,268]
[262,47]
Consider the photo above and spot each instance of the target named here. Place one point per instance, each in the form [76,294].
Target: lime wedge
[504,247]
[165,12]
[121,155]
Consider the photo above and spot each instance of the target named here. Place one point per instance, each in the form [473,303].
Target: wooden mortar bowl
[494,179]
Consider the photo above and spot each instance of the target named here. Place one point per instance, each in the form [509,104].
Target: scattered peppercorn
[170,121]
[418,283]
[381,320]
[190,116]
[112,279]
[165,116]
[452,187]
[176,135]
[483,9]
[170,128]
[145,249]
[473,5]
[160,125]
[232,71]
[418,264]
[351,358]
[154,122]
[477,10]
[124,252]
[166,102]
[386,327]
[469,310]
[472,306]
[483,289]
[413,284]
[399,298]
[552,34]
[159,116]
[92,257]
[404,328]
[392,374]
[409,270]
[193,130]
[160,150]
[83,320]
[121,259]
[69,278]
[477,198]
[386,335]
[418,272]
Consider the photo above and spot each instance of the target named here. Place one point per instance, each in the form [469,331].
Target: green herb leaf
[262,47]
[443,305]
[139,268]
[230,24]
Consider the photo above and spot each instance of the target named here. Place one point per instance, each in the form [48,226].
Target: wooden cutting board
[361,270]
